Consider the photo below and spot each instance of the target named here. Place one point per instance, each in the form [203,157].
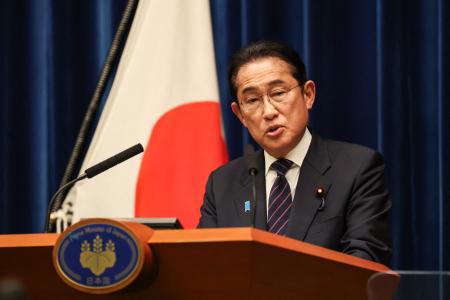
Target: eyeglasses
[253,103]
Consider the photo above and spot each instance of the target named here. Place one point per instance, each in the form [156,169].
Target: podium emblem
[98,256]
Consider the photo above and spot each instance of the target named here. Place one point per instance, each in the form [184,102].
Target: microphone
[252,167]
[12,289]
[114,160]
[89,173]
[321,194]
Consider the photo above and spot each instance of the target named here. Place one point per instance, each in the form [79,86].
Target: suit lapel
[312,176]
[247,191]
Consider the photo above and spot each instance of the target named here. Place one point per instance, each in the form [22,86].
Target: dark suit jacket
[354,219]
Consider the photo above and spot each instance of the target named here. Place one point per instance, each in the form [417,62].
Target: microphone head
[114,160]
[12,289]
[250,158]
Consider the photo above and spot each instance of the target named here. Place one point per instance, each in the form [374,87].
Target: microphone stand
[89,173]
[252,171]
[50,217]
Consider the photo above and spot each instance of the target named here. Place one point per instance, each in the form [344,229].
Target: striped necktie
[280,199]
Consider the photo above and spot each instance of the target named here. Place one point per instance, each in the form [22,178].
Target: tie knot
[281,166]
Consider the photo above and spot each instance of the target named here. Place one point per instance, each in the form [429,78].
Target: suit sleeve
[368,234]
[208,214]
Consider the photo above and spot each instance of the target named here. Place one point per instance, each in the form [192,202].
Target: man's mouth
[274,130]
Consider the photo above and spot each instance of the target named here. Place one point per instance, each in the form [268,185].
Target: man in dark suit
[324,192]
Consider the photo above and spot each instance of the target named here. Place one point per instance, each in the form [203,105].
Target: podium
[229,263]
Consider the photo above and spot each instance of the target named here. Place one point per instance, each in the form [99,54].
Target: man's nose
[269,110]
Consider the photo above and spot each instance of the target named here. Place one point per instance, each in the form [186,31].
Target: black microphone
[89,173]
[114,160]
[12,289]
[252,171]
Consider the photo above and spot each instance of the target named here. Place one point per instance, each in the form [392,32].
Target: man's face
[277,127]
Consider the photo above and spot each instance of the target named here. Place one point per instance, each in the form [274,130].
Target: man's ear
[237,112]
[309,93]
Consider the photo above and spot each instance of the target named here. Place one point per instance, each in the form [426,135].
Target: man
[324,192]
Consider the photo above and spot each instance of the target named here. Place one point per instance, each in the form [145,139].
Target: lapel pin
[247,206]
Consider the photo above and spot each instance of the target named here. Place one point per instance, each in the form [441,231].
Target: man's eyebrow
[270,84]
[249,89]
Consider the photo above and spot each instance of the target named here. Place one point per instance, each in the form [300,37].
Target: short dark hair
[263,49]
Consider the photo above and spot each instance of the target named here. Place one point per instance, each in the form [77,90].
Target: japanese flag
[165,96]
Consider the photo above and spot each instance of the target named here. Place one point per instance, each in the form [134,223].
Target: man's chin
[277,152]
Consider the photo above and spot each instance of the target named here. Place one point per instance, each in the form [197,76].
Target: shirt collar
[296,155]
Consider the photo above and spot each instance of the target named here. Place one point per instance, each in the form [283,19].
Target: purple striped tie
[280,199]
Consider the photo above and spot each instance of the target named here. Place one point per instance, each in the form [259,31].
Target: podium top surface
[246,234]
[224,235]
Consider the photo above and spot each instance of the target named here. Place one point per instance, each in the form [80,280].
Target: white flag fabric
[165,96]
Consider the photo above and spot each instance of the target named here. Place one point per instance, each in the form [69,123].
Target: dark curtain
[381,68]
[51,56]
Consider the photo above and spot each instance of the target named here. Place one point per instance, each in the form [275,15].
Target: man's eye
[277,93]
[251,100]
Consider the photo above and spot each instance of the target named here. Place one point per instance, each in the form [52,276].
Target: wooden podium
[234,263]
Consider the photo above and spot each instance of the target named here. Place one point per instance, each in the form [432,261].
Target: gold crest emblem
[97,259]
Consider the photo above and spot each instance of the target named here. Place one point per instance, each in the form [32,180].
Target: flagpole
[88,121]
